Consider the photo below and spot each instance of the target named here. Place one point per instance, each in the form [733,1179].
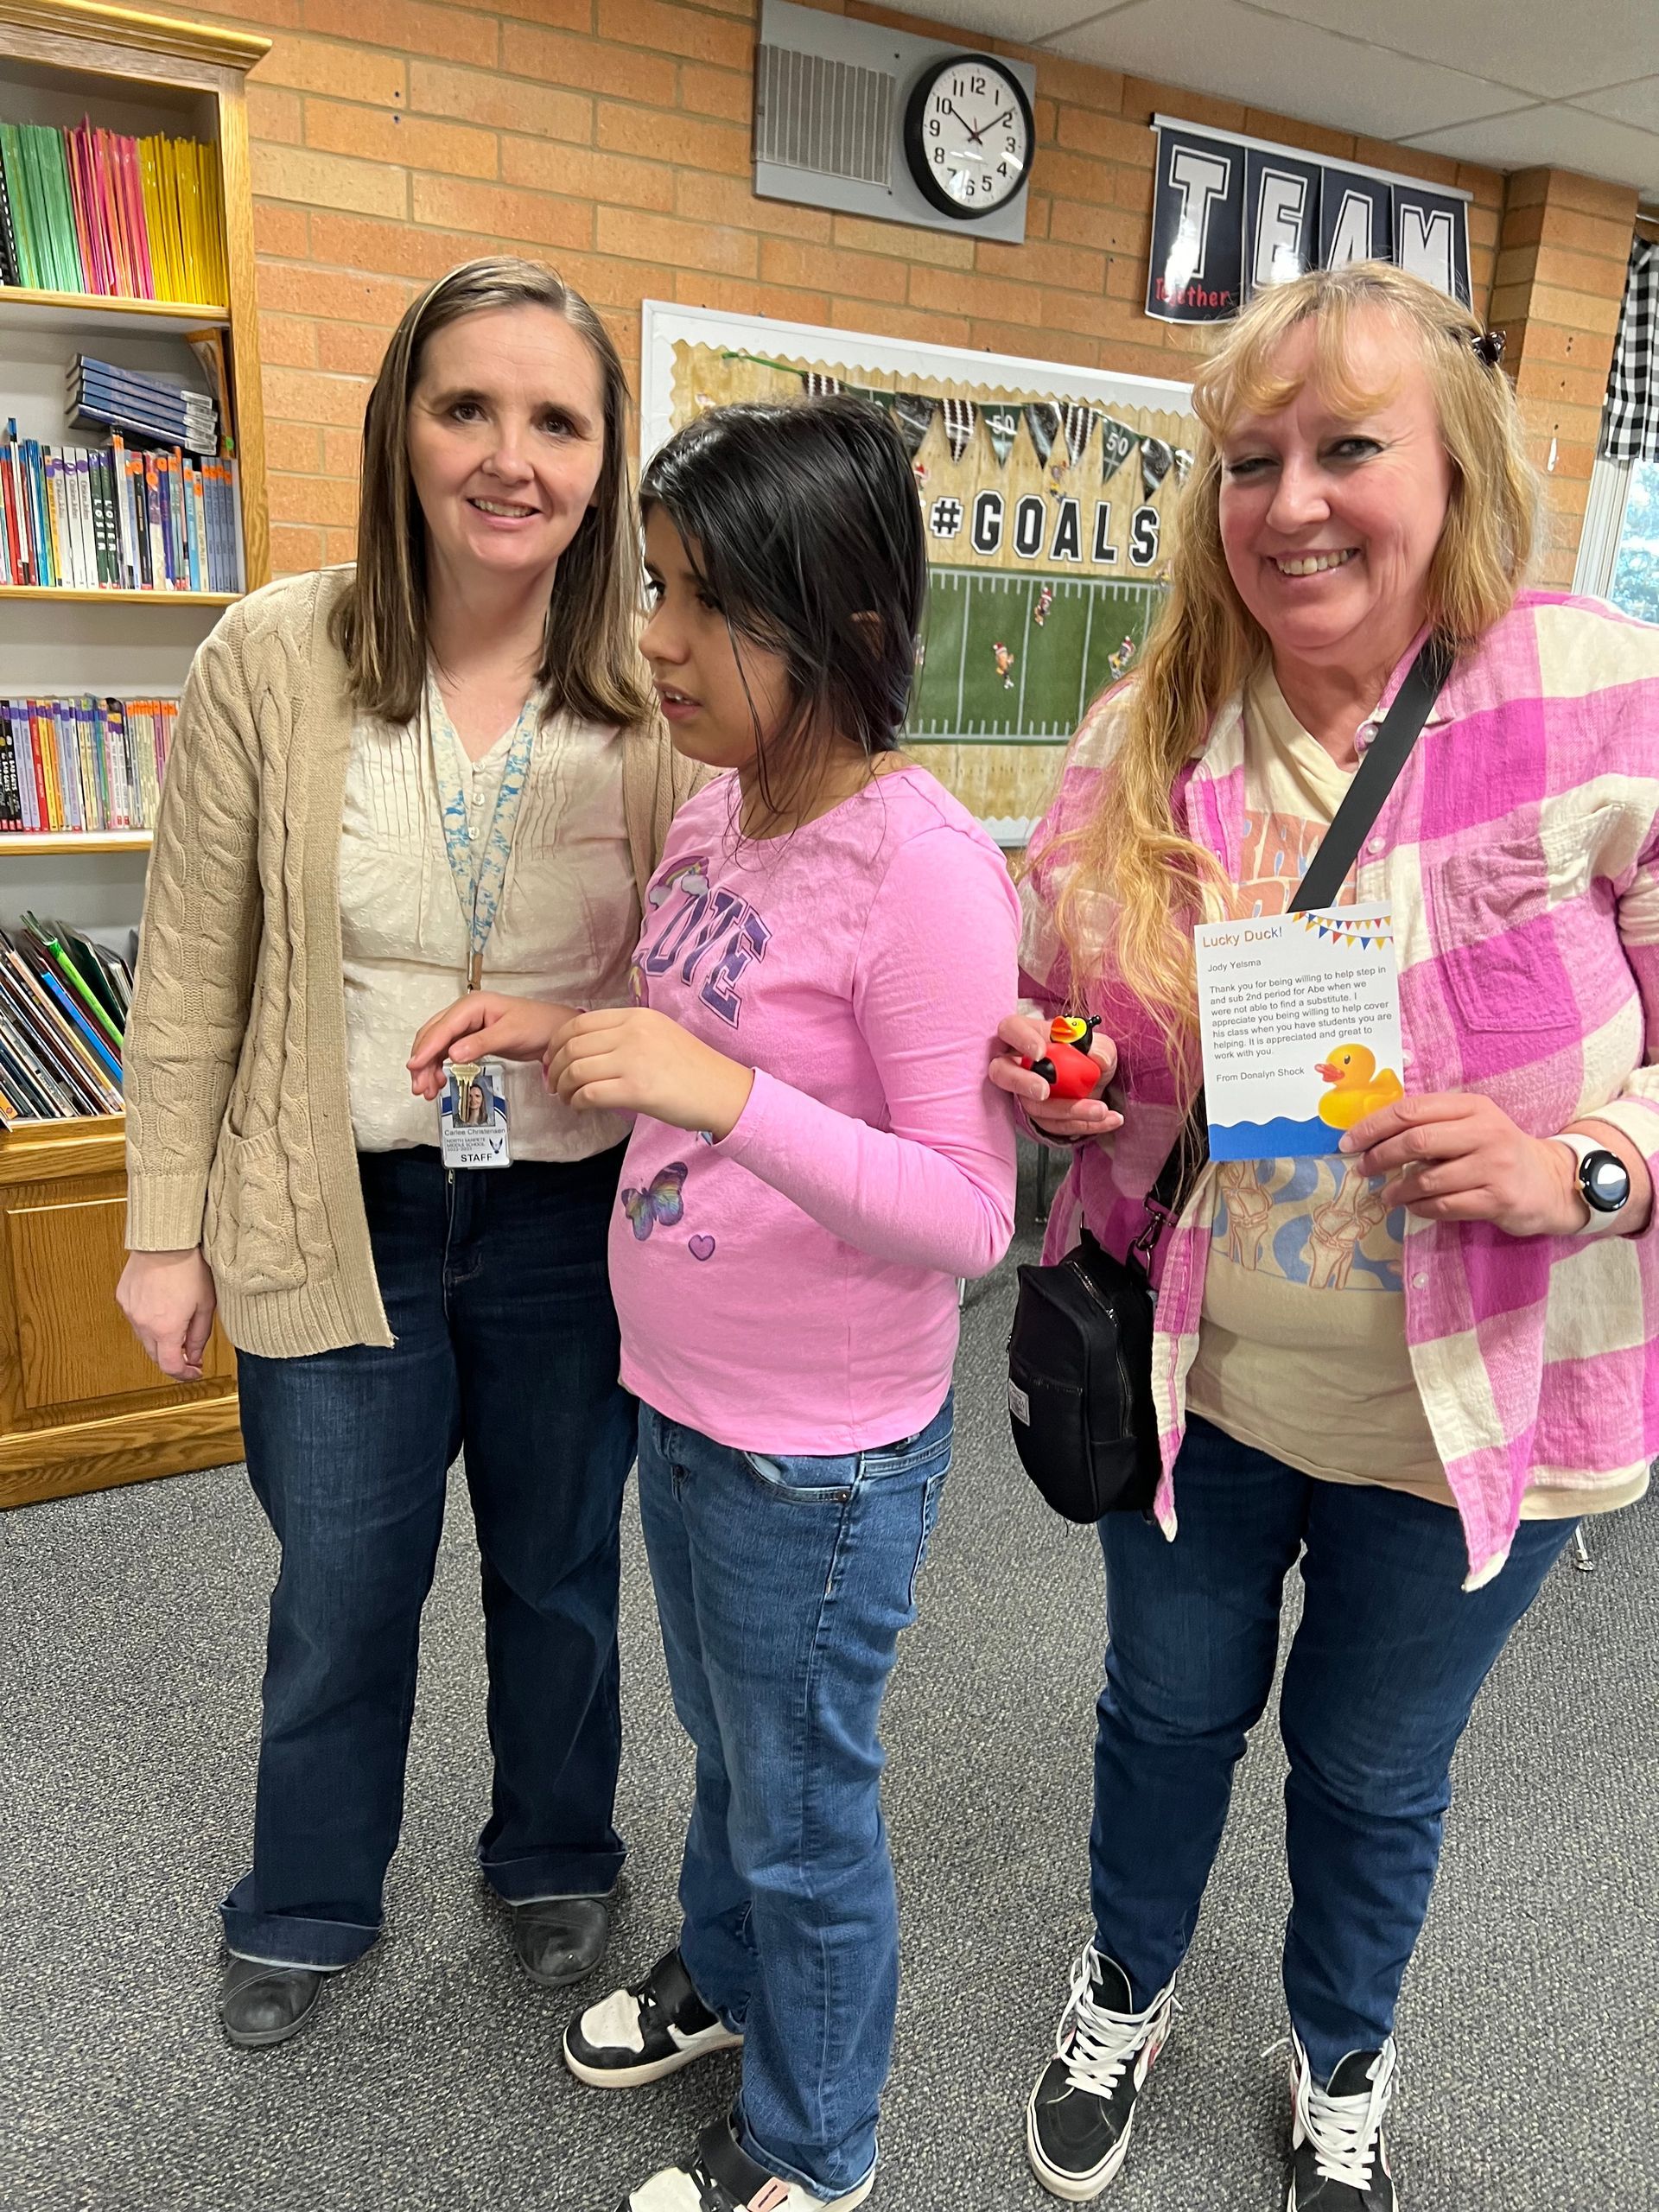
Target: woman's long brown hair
[590,663]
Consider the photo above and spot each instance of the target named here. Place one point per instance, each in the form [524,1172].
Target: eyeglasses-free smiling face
[506,441]
[719,707]
[1329,520]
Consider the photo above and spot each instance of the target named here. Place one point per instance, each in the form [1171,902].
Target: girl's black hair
[803,522]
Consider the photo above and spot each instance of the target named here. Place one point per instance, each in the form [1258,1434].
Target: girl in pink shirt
[828,944]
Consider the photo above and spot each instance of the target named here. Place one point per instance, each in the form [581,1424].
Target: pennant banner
[1231,215]
[959,416]
[1043,422]
[913,414]
[1156,461]
[1117,442]
[1001,426]
[1078,422]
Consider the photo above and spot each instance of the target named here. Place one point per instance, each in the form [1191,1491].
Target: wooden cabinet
[80,1407]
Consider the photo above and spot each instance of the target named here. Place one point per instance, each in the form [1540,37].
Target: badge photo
[472,1115]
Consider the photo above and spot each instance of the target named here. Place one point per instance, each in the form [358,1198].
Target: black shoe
[260,2005]
[558,1939]
[1080,2114]
[644,2032]
[720,2176]
[1339,2161]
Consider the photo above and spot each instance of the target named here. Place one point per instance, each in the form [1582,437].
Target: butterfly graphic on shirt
[660,1206]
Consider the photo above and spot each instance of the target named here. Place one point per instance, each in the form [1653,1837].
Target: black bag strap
[1375,778]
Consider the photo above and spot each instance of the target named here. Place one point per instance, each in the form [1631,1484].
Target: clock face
[968,138]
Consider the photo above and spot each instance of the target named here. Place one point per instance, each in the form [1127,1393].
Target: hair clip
[1488,347]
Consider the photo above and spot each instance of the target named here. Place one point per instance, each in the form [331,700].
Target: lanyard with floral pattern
[478,874]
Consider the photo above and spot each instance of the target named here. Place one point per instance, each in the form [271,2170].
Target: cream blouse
[566,927]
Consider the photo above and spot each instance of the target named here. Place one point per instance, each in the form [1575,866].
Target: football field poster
[1046,491]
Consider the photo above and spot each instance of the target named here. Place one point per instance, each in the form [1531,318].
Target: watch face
[1604,1180]
[969,136]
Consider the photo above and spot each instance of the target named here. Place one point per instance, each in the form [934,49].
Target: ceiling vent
[829,99]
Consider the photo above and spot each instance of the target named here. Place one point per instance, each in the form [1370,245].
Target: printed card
[1300,1018]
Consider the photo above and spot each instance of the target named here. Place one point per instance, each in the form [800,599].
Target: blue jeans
[1383,1674]
[495,1286]
[782,1585]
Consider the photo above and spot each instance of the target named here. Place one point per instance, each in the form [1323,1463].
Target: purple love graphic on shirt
[701,1247]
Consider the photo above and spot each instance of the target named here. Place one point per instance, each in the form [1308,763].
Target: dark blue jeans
[782,1585]
[495,1287]
[1382,1674]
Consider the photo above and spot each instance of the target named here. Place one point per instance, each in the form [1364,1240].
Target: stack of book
[101,518]
[82,763]
[151,408]
[63,1012]
[88,210]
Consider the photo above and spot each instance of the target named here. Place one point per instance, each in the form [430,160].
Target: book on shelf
[109,518]
[85,209]
[155,410]
[82,763]
[64,1000]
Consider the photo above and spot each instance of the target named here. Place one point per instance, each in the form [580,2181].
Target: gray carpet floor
[130,1626]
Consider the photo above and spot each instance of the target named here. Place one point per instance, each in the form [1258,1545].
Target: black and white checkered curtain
[1630,421]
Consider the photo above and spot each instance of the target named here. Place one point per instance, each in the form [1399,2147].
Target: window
[1634,586]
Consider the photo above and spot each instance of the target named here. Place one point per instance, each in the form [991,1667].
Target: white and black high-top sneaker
[1080,2114]
[646,2031]
[1339,2160]
[720,2176]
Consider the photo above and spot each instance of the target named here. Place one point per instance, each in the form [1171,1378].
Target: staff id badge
[472,1115]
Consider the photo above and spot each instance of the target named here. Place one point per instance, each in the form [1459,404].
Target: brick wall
[392,138]
[1563,250]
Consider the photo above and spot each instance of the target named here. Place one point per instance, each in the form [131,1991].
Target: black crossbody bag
[1080,1350]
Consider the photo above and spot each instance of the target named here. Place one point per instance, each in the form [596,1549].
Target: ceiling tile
[1025,21]
[1637,104]
[1527,43]
[1268,61]
[1554,136]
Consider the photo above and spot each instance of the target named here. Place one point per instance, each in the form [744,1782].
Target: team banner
[1232,215]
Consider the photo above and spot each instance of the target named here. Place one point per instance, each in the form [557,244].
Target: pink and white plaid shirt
[1519,855]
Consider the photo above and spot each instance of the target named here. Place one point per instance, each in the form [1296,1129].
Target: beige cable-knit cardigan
[238,1116]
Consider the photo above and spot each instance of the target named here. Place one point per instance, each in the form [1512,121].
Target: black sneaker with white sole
[1080,2114]
[1339,2161]
[644,2032]
[720,2176]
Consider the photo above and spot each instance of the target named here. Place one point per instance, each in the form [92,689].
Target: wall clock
[969,136]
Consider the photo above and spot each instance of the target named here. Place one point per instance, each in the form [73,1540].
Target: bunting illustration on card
[1044,492]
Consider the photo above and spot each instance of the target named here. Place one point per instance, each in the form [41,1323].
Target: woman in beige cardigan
[387,782]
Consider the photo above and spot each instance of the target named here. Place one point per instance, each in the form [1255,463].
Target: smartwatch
[1604,1181]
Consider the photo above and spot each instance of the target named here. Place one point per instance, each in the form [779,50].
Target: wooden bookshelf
[70,594]
[80,313]
[80,1406]
[56,843]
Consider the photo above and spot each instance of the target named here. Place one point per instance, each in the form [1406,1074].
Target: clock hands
[1006,116]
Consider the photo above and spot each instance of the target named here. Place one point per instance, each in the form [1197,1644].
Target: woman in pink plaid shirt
[1414,1365]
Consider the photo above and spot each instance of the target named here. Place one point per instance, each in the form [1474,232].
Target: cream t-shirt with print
[565,930]
[1302,1343]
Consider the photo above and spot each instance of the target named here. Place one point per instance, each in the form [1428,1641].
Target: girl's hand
[1023,1036]
[1454,1156]
[629,1060]
[484,1025]
[168,1297]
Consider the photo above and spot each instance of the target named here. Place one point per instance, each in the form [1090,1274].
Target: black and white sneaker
[644,2032]
[1080,2114]
[1338,2161]
[720,2176]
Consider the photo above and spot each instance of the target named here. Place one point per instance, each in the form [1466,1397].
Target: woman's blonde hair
[590,662]
[1204,644]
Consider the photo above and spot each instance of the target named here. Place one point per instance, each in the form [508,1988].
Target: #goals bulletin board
[1046,491]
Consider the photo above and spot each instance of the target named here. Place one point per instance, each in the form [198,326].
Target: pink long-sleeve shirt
[793,1288]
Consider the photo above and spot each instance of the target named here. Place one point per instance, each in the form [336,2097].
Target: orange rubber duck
[1357,1088]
